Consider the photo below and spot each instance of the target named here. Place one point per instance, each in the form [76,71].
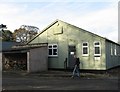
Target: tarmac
[57,80]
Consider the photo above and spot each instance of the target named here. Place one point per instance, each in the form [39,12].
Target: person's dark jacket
[77,62]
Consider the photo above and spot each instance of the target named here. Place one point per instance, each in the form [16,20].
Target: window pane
[111,51]
[54,46]
[97,50]
[115,52]
[50,46]
[84,44]
[97,43]
[85,51]
[54,51]
[50,51]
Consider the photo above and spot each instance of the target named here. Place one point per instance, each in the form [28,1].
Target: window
[97,49]
[115,51]
[119,50]
[85,49]
[53,50]
[111,49]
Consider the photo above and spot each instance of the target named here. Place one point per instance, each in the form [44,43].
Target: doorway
[71,53]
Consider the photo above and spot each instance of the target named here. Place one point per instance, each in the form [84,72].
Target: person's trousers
[76,71]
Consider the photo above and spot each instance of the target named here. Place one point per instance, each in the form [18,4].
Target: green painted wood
[65,35]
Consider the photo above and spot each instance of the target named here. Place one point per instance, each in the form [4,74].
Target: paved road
[57,83]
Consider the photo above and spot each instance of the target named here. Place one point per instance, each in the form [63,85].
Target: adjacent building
[22,57]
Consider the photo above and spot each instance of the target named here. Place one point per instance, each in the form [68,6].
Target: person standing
[76,70]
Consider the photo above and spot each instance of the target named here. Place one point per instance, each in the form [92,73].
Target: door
[71,53]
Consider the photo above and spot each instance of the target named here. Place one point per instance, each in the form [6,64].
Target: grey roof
[5,46]
[29,46]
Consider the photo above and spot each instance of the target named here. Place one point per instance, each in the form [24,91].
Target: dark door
[71,53]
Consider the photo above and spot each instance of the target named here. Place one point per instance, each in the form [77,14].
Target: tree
[25,33]
[5,35]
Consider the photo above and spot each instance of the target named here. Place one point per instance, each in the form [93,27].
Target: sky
[97,16]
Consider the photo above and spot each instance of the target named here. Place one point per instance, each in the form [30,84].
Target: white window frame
[85,47]
[115,50]
[118,51]
[97,46]
[53,49]
[111,49]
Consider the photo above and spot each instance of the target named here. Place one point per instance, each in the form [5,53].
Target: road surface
[58,83]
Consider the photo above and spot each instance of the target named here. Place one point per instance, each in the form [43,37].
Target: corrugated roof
[29,46]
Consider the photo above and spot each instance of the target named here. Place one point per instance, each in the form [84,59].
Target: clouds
[10,14]
[102,22]
[59,0]
[97,17]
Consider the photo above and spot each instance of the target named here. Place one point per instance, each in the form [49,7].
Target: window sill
[97,55]
[85,55]
[53,56]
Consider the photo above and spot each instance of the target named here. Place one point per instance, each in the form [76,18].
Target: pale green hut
[64,40]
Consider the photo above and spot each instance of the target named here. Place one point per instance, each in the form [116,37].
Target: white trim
[119,50]
[28,61]
[97,46]
[111,49]
[53,49]
[115,50]
[85,47]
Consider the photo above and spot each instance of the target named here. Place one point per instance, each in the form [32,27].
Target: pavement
[57,73]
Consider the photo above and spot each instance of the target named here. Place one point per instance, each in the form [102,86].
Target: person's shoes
[72,77]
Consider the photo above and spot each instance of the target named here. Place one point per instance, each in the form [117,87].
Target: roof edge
[43,30]
[71,25]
